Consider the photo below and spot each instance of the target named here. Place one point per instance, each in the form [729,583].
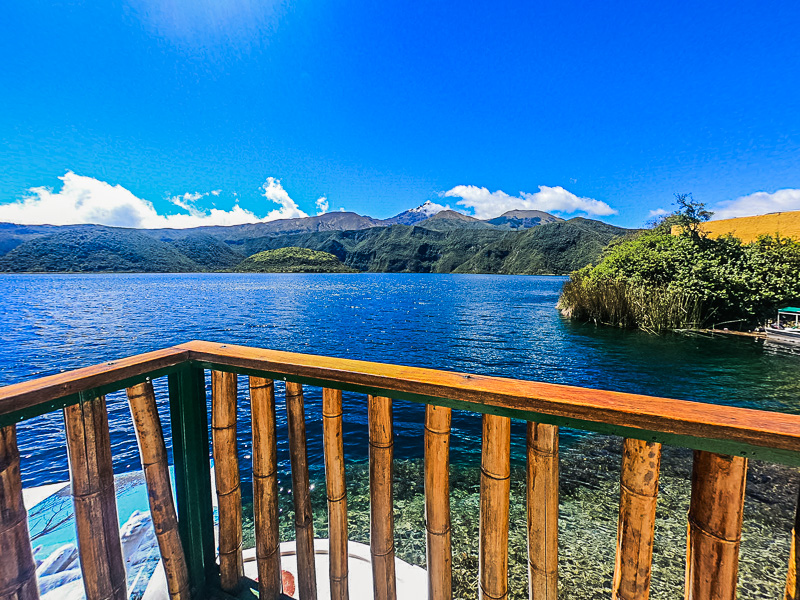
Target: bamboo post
[226,473]
[303,522]
[437,502]
[265,487]
[495,491]
[381,510]
[542,511]
[637,516]
[153,452]
[715,526]
[17,567]
[792,584]
[94,501]
[337,493]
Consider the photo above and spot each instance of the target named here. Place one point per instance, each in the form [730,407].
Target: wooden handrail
[725,429]
[749,432]
[717,433]
[18,397]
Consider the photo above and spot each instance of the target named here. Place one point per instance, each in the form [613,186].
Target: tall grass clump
[657,281]
[618,303]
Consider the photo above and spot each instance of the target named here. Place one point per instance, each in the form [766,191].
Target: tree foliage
[717,280]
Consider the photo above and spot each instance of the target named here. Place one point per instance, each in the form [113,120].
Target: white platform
[412,582]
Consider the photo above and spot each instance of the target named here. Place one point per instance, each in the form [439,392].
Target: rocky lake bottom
[588,511]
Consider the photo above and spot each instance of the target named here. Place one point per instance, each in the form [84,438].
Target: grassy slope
[98,250]
[207,251]
[554,248]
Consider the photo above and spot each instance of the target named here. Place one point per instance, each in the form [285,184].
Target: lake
[494,325]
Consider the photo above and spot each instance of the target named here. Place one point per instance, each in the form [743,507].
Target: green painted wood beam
[190,450]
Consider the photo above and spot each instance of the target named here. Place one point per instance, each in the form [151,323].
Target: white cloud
[273,190]
[658,212]
[759,203]
[87,200]
[487,205]
[322,205]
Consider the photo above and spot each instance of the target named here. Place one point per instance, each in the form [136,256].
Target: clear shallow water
[484,324]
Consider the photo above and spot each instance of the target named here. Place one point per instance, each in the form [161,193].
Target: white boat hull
[789,337]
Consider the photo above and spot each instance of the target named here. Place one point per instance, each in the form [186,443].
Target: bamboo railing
[723,439]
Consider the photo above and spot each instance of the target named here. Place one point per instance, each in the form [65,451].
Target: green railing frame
[191,448]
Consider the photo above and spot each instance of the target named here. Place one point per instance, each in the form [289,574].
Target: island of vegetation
[292,260]
[675,276]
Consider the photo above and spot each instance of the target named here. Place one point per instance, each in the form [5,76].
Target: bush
[658,281]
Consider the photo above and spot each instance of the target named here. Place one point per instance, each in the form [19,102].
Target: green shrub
[658,281]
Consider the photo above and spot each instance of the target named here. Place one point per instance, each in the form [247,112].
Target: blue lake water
[495,325]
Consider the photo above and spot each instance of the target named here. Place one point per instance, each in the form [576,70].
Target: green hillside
[555,248]
[96,250]
[206,251]
[292,260]
[395,249]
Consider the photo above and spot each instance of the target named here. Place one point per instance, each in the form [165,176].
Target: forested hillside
[441,244]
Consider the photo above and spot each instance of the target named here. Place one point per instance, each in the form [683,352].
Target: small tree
[690,215]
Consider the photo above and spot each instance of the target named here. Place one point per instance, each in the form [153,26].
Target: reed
[153,453]
[621,304]
[17,568]
[226,472]
[265,487]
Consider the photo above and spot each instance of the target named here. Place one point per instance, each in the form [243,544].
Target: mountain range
[428,238]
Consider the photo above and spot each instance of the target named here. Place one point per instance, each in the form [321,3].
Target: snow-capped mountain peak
[415,215]
[428,208]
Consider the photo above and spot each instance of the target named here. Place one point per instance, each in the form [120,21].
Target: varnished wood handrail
[28,394]
[747,429]
[717,488]
[725,429]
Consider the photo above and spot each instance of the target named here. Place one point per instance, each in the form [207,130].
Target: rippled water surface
[482,324]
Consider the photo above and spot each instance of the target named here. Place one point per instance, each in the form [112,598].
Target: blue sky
[127,111]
